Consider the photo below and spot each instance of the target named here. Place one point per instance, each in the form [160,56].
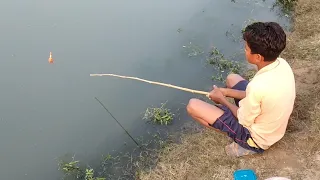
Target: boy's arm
[233,93]
[217,95]
[232,107]
[250,106]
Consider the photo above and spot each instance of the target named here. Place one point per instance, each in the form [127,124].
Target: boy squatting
[263,106]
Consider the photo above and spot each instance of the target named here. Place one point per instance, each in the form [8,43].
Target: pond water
[49,110]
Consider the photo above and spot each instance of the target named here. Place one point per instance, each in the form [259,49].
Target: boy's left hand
[216,95]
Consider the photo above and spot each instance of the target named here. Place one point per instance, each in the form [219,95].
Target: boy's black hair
[265,38]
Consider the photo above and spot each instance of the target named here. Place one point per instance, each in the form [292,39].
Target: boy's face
[252,58]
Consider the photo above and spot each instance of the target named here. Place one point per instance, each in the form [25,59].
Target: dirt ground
[296,156]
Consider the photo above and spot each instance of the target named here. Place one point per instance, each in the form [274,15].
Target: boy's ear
[259,58]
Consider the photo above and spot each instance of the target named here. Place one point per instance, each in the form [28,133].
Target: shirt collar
[269,67]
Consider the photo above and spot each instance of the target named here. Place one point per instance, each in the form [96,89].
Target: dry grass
[304,42]
[297,155]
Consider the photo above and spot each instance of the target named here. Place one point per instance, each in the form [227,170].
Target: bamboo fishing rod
[154,82]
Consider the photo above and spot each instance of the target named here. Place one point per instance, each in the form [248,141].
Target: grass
[296,156]
[159,115]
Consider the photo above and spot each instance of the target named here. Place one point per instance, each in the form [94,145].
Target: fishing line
[117,121]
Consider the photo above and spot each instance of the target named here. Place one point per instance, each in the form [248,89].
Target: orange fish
[50,58]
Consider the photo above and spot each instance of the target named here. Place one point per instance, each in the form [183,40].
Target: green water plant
[234,34]
[90,175]
[193,49]
[159,115]
[72,170]
[222,64]
[230,34]
[246,23]
[218,77]
[286,6]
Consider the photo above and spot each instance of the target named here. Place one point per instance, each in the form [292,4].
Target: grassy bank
[297,155]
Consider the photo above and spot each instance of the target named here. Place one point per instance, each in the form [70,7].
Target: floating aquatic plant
[160,115]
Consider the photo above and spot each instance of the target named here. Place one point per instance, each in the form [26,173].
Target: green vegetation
[193,50]
[160,115]
[129,164]
[218,78]
[126,165]
[237,36]
[249,74]
[246,23]
[218,60]
[286,6]
[232,36]
[89,175]
[223,65]
[72,170]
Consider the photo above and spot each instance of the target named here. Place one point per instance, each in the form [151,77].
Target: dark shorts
[229,123]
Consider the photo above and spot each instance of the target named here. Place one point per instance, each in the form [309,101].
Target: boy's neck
[264,64]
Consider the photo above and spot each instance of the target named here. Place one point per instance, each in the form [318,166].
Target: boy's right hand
[216,95]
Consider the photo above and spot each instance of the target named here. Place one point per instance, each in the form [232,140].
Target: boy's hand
[224,91]
[216,95]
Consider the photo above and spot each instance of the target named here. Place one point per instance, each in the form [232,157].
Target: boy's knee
[191,105]
[233,79]
[229,80]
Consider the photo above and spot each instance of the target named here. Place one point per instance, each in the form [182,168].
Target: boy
[263,106]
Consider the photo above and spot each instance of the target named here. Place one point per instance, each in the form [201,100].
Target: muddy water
[49,110]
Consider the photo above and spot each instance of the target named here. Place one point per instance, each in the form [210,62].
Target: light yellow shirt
[268,104]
